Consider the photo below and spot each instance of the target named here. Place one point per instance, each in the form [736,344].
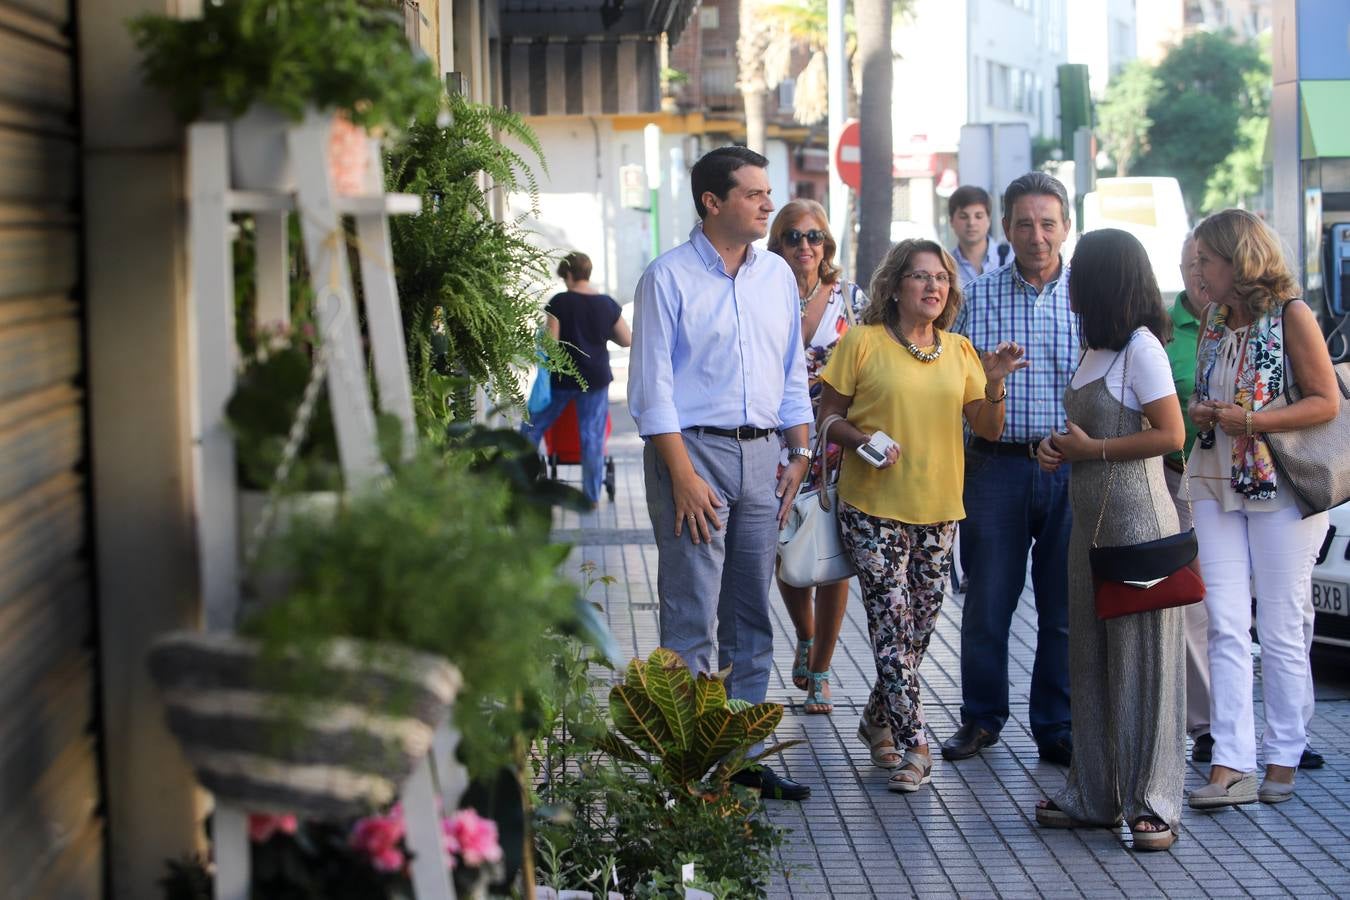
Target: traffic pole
[651,145]
[836,66]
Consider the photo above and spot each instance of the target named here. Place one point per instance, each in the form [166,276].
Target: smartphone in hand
[874,451]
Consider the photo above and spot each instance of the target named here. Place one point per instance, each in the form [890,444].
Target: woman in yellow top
[900,372]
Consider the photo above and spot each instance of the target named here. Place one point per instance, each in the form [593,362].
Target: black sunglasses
[815,237]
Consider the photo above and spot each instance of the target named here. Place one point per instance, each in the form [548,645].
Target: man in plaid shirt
[1011,505]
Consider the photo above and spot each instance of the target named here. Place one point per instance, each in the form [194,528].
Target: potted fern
[262,64]
[470,284]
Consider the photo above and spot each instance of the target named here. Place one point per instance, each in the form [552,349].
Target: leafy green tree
[1205,91]
[1239,177]
[1122,117]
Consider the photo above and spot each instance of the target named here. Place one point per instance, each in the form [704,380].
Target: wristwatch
[804,452]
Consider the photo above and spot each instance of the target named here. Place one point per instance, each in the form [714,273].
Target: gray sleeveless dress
[1126,675]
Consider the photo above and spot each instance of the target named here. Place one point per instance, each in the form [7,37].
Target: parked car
[1331,583]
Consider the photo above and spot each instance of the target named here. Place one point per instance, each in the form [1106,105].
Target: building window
[787,94]
[708,17]
[805,190]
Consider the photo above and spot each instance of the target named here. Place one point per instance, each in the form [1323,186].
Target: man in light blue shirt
[717,369]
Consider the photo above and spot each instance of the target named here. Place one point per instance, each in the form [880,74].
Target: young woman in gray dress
[1126,674]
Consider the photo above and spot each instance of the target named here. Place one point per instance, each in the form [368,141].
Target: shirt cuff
[657,421]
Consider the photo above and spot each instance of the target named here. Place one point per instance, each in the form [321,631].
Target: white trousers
[1273,552]
[1196,621]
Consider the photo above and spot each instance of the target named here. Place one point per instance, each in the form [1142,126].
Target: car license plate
[1331,597]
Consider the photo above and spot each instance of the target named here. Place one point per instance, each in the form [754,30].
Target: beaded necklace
[923,356]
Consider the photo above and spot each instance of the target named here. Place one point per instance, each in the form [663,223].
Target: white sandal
[880,745]
[914,773]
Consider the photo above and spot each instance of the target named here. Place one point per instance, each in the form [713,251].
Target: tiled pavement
[972,833]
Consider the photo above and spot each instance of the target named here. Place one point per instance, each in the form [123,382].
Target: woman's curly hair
[881,308]
[1262,278]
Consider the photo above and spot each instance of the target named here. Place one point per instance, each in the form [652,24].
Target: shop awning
[1326,119]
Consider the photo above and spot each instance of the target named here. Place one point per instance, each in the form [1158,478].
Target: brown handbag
[1153,575]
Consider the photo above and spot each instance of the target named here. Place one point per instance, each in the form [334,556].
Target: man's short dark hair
[1035,183]
[713,173]
[969,195]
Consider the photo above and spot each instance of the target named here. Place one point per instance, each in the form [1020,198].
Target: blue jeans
[1011,505]
[592,413]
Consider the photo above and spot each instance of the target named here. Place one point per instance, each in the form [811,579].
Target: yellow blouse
[919,404]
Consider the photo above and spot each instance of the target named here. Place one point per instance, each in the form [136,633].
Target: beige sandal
[879,745]
[916,771]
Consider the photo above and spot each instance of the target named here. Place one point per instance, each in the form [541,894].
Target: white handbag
[810,551]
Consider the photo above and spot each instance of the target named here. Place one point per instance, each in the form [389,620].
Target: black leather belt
[740,432]
[1023,449]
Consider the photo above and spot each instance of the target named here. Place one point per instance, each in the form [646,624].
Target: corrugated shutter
[51,841]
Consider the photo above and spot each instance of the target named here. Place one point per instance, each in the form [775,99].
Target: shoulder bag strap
[821,451]
[849,302]
[1120,427]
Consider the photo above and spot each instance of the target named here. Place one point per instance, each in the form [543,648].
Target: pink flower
[261,826]
[475,836]
[378,837]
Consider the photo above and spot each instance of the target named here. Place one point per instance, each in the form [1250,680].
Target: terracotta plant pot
[349,158]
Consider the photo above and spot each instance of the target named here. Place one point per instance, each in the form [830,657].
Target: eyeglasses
[935,277]
[815,237]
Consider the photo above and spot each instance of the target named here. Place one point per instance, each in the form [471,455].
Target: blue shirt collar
[1050,285]
[708,253]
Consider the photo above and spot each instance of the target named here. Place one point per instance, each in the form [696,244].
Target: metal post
[837,63]
[651,145]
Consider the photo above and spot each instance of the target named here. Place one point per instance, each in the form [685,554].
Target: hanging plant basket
[257,744]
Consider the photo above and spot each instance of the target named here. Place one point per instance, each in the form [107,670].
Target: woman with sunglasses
[902,373]
[801,235]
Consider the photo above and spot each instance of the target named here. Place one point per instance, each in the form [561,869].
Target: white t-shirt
[1150,374]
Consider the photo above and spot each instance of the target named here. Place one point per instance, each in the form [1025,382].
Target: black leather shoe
[1058,751]
[1311,759]
[770,784]
[1203,751]
[968,740]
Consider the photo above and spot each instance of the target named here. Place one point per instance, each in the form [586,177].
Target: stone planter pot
[252,503]
[259,748]
[260,159]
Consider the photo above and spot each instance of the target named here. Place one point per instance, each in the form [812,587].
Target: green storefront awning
[1326,118]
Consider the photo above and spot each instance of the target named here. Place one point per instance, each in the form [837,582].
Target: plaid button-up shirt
[1002,306]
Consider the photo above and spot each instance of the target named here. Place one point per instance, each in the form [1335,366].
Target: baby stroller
[562,446]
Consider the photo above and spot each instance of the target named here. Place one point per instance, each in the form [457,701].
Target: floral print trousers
[902,570]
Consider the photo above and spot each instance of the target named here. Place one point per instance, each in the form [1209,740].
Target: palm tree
[877,146]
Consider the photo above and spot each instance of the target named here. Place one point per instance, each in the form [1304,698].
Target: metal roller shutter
[51,841]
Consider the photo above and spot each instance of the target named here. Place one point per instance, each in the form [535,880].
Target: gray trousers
[720,589]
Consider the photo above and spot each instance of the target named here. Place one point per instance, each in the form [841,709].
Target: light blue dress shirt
[966,269]
[709,349]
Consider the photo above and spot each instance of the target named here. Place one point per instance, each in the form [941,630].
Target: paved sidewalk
[972,833]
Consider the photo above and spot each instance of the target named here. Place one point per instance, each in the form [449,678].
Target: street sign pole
[837,62]
[651,141]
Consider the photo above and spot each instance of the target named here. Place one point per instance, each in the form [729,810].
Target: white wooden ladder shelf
[212,201]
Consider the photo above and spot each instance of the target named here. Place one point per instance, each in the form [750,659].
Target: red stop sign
[848,155]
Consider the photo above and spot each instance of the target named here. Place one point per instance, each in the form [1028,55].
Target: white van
[1152,210]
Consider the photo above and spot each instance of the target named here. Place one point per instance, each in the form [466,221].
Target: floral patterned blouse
[833,323]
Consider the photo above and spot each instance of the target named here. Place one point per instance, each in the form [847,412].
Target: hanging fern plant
[471,285]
